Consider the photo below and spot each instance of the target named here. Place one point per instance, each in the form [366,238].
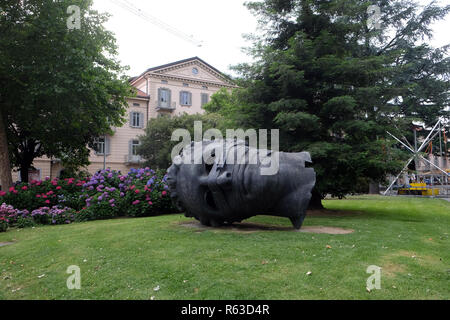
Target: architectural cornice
[160,71]
[190,80]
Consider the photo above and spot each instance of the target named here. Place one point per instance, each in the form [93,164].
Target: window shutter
[97,147]
[205,99]
[181,98]
[190,98]
[130,148]
[141,120]
[131,119]
[159,97]
[107,145]
[169,102]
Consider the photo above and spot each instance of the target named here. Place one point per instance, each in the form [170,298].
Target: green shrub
[25,222]
[3,224]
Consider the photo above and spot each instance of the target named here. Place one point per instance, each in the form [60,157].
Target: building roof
[180,62]
[140,94]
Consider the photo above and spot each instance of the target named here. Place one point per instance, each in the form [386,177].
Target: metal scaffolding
[435,172]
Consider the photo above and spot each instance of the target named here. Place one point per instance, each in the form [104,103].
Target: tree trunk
[24,170]
[5,164]
[316,200]
[374,188]
[26,159]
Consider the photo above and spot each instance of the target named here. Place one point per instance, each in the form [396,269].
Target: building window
[134,146]
[185,84]
[164,81]
[34,174]
[136,120]
[185,98]
[136,104]
[205,99]
[164,98]
[101,145]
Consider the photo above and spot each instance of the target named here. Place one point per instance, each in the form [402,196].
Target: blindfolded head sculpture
[221,182]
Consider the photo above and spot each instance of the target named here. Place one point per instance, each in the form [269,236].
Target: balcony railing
[167,107]
[132,159]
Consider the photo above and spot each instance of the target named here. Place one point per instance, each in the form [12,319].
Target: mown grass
[128,258]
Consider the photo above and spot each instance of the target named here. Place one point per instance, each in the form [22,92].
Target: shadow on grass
[250,227]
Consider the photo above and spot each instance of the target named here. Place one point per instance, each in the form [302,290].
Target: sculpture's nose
[223,180]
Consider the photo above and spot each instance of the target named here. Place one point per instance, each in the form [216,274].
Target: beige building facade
[175,88]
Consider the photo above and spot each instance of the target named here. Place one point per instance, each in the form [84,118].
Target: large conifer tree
[332,81]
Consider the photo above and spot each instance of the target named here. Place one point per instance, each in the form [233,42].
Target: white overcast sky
[220,24]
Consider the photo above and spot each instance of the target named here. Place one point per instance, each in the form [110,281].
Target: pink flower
[137,191]
[24,188]
[150,203]
[47,201]
[11,189]
[38,196]
[2,193]
[132,187]
[136,202]
[58,188]
[164,193]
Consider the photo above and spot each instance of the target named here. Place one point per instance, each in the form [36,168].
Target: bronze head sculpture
[220,182]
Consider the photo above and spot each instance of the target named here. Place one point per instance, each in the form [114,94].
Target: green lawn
[127,258]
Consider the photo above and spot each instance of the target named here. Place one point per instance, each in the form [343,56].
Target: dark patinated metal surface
[216,190]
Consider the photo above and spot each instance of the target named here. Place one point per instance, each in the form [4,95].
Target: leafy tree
[60,87]
[156,144]
[333,84]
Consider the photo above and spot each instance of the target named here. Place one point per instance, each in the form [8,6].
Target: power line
[125,4]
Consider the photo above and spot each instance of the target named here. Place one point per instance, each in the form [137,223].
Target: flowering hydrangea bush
[140,193]
[47,193]
[11,216]
[107,194]
[54,215]
[5,211]
[44,215]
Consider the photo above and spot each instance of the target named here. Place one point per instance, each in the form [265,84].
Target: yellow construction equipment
[418,189]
